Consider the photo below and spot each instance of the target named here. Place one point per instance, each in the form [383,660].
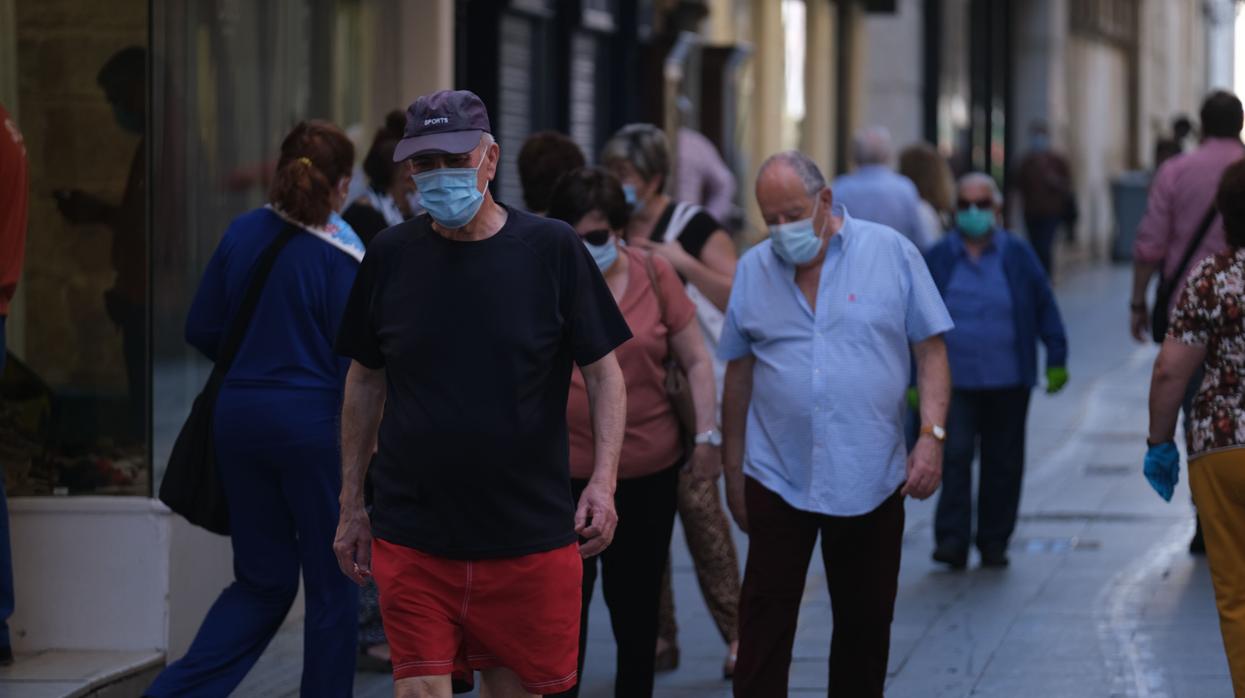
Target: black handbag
[1163,294]
[192,485]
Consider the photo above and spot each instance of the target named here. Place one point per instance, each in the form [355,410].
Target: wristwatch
[713,437]
[939,434]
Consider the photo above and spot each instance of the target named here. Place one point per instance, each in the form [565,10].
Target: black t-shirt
[695,233]
[477,339]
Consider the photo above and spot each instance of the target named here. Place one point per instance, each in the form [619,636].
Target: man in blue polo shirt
[823,321]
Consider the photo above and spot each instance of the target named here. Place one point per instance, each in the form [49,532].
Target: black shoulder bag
[1163,294]
[192,485]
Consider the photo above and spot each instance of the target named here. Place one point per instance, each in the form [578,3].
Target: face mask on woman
[797,242]
[450,194]
[601,246]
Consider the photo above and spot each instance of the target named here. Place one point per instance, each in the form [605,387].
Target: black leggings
[631,577]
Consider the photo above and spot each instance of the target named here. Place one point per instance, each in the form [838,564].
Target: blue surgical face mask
[629,194]
[450,195]
[604,255]
[974,222]
[796,242]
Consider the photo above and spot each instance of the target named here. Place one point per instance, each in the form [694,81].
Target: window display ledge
[65,674]
[89,505]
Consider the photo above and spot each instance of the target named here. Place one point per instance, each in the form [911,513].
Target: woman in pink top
[592,201]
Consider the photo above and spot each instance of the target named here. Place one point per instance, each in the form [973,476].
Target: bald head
[788,186]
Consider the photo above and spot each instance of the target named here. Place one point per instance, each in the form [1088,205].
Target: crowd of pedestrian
[475,410]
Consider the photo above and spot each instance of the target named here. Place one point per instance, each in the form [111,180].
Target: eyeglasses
[596,237]
[963,204]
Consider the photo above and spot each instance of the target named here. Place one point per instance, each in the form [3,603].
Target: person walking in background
[274,425]
[14,192]
[122,79]
[805,302]
[703,177]
[474,546]
[386,200]
[876,193]
[1181,227]
[929,171]
[1001,302]
[663,320]
[1047,198]
[544,157]
[704,256]
[1174,144]
[1207,336]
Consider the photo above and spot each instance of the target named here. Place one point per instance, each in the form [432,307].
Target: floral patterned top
[1211,313]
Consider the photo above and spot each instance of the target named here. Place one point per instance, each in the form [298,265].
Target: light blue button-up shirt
[825,425]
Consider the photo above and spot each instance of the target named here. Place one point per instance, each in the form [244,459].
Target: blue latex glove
[1162,468]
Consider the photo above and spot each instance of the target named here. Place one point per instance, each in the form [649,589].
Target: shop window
[74,396]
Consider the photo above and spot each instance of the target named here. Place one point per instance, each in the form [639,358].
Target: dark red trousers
[861,557]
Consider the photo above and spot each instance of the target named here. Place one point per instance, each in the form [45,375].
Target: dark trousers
[281,472]
[6,554]
[995,419]
[631,571]
[861,558]
[1041,231]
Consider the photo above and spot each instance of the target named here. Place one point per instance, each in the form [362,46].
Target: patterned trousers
[708,533]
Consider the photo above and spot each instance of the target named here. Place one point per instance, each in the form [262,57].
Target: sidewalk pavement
[1101,599]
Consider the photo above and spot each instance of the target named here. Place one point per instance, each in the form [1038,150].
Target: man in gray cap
[462,326]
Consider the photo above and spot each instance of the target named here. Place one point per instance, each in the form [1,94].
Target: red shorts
[455,617]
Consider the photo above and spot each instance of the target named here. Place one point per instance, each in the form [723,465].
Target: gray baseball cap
[449,121]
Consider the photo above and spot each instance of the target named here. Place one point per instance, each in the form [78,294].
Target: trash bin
[1128,199]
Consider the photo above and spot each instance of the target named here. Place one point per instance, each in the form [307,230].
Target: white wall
[893,72]
[1098,140]
[110,573]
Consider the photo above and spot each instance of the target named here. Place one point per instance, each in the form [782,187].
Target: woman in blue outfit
[276,426]
[1002,305]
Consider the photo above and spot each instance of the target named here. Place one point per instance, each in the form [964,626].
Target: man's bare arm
[362,407]
[595,516]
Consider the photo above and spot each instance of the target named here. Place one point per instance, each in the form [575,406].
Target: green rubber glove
[1056,379]
[914,399]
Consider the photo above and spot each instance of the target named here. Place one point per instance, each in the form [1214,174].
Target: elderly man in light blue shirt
[877,193]
[823,320]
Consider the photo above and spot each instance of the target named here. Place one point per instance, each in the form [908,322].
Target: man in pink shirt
[1180,197]
[1181,200]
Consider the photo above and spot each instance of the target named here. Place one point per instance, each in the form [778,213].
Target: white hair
[802,165]
[872,146]
[981,178]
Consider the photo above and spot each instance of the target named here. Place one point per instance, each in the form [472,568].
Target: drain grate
[1054,545]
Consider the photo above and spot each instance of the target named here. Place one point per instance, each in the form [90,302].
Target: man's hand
[353,544]
[1139,321]
[706,462]
[924,468]
[596,519]
[735,501]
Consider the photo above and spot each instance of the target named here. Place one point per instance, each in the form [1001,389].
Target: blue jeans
[6,553]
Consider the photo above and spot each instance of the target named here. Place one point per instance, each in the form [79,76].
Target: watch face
[940,433]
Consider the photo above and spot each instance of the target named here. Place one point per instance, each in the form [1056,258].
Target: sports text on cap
[437,120]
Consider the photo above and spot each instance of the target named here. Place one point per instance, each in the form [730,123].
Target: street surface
[1101,599]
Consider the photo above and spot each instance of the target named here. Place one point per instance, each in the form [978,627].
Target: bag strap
[1198,237]
[246,310]
[652,280]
